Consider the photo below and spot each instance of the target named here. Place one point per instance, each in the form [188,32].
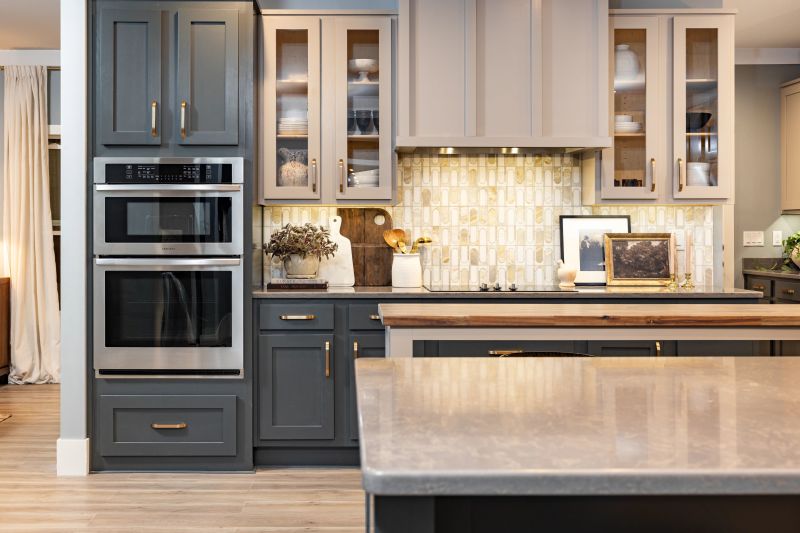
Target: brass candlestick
[688,283]
[673,284]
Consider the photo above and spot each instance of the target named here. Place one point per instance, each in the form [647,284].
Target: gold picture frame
[629,264]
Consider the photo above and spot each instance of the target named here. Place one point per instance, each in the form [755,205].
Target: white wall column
[73,443]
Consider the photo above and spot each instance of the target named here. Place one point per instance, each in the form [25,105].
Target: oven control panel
[168,173]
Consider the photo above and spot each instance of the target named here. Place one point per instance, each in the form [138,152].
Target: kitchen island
[581,444]
[407,323]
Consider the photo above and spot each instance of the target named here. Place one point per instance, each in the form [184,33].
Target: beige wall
[758,159]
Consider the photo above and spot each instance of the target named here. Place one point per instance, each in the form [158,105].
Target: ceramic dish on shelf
[698,174]
[628,127]
[623,118]
[363,67]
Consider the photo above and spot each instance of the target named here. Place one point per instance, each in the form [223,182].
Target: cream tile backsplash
[495,218]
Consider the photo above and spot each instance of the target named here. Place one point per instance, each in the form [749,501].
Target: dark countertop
[560,426]
[783,274]
[768,267]
[544,293]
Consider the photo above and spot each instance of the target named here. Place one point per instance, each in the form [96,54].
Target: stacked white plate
[365,178]
[624,124]
[293,126]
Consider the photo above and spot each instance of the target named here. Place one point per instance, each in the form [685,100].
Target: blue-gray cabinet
[360,344]
[296,380]
[129,76]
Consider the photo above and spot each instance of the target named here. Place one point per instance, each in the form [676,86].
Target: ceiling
[767,23]
[29,24]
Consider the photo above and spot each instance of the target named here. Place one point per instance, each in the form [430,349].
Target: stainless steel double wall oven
[168,271]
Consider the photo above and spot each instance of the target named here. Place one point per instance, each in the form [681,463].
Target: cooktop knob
[497,286]
[513,287]
[484,287]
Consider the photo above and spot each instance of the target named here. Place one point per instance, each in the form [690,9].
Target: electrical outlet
[777,237]
[753,238]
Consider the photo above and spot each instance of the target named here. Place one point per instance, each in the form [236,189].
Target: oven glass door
[168,314]
[172,222]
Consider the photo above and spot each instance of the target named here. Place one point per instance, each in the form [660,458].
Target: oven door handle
[221,187]
[135,262]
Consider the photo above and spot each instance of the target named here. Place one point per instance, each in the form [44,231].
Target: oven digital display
[183,173]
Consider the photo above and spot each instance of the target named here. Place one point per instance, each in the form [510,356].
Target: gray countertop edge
[582,483]
[772,274]
[580,293]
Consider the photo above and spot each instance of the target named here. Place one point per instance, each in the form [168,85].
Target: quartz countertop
[545,292]
[785,274]
[579,426]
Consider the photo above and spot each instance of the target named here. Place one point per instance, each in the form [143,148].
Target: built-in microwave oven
[168,206]
[168,316]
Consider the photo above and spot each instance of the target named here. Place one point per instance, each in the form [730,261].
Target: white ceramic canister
[626,62]
[406,271]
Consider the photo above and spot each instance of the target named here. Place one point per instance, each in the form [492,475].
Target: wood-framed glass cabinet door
[703,106]
[631,168]
[291,110]
[363,159]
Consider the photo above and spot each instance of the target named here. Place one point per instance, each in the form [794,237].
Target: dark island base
[589,514]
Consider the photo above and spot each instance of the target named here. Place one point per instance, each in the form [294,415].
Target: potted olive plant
[791,247]
[301,248]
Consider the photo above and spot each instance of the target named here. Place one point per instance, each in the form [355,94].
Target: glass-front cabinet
[326,95]
[631,169]
[703,106]
[291,115]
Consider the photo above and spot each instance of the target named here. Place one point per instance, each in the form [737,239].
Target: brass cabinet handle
[327,359]
[179,425]
[504,353]
[790,292]
[153,126]
[759,287]
[341,175]
[313,175]
[680,174]
[183,119]
[658,349]
[355,349]
[374,317]
[298,317]
[653,174]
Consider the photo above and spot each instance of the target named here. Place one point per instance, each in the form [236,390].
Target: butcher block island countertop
[589,315]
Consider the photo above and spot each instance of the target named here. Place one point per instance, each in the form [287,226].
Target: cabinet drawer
[157,425]
[296,316]
[787,290]
[760,284]
[364,316]
[497,348]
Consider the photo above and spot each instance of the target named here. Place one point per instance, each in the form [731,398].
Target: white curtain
[28,230]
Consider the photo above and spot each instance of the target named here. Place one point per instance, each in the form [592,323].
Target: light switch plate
[753,238]
[777,237]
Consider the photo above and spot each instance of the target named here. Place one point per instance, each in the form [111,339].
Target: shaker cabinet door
[361,345]
[295,387]
[207,104]
[129,77]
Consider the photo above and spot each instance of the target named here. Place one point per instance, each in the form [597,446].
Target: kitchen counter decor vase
[299,267]
[566,275]
[406,271]
[338,270]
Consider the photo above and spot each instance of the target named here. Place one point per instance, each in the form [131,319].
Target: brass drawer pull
[298,317]
[153,125]
[658,349]
[179,425]
[504,353]
[327,359]
[183,119]
[355,349]
[374,317]
[790,292]
[759,287]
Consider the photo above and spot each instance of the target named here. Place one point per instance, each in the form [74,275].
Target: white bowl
[623,118]
[363,67]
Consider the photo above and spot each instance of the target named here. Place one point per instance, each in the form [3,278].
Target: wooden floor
[32,498]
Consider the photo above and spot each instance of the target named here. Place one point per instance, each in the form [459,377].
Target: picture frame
[639,259]
[589,258]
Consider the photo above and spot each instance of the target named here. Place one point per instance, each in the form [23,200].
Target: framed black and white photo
[639,258]
[583,243]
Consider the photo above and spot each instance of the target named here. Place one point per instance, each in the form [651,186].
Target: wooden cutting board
[372,257]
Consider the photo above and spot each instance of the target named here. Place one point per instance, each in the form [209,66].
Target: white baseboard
[72,457]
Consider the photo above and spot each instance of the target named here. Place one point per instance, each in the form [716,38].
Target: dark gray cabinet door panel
[361,345]
[296,386]
[498,348]
[364,316]
[631,348]
[158,425]
[711,348]
[207,106]
[129,78]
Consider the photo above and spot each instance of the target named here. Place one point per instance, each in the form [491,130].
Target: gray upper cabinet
[208,77]
[129,75]
[296,387]
[503,73]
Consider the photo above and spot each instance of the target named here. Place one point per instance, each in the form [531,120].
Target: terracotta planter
[298,267]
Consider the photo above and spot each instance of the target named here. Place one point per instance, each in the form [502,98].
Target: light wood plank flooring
[32,498]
